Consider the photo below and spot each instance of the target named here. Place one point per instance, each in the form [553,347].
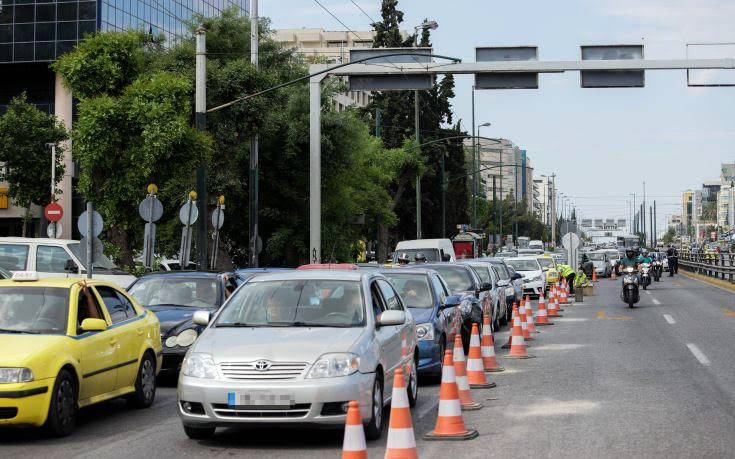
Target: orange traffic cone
[543,317]
[510,325]
[552,304]
[529,315]
[449,422]
[401,442]
[594,275]
[487,347]
[353,446]
[524,321]
[557,309]
[563,296]
[613,276]
[475,370]
[518,345]
[460,371]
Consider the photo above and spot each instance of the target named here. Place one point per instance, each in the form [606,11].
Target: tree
[669,236]
[25,133]
[134,127]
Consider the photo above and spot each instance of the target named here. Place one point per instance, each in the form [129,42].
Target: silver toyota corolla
[296,347]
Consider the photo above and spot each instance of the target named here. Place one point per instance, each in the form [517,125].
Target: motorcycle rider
[420,257]
[630,260]
[403,259]
[644,258]
[673,256]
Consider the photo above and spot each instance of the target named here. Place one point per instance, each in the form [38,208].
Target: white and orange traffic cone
[449,422]
[401,442]
[460,371]
[353,446]
[543,317]
[552,303]
[529,315]
[524,321]
[487,346]
[514,313]
[475,369]
[518,345]
[594,275]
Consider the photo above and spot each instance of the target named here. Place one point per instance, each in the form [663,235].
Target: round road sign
[97,223]
[144,209]
[189,213]
[570,241]
[53,212]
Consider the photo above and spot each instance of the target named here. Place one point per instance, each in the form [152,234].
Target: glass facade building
[42,30]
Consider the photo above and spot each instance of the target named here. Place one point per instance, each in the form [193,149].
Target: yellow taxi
[549,266]
[70,343]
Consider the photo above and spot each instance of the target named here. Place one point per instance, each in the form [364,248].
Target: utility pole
[474,164]
[650,227]
[444,198]
[553,210]
[253,183]
[655,236]
[644,213]
[418,176]
[201,125]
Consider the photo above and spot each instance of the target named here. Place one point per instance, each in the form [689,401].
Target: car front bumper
[25,403]
[533,288]
[308,399]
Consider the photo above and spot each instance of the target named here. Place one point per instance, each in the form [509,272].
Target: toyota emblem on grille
[262,365]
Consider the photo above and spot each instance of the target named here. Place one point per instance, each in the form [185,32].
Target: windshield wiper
[238,324]
[10,330]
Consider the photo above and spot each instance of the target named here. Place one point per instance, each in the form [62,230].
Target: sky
[602,144]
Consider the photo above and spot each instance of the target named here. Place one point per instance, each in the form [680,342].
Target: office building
[544,203]
[34,34]
[511,168]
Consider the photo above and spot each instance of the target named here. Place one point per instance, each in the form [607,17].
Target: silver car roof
[316,274]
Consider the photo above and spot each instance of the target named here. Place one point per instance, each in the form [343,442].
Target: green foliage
[132,130]
[669,237]
[25,133]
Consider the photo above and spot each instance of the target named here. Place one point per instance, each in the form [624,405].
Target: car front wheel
[62,412]
[374,428]
[413,386]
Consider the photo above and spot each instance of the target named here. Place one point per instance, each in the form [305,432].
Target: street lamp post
[426,25]
[477,155]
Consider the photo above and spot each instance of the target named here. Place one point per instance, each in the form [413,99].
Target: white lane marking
[669,319]
[428,407]
[655,301]
[698,354]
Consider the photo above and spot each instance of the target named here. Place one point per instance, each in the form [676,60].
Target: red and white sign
[53,212]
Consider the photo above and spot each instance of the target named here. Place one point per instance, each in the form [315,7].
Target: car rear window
[34,310]
[413,288]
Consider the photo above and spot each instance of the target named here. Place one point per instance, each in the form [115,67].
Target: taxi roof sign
[25,276]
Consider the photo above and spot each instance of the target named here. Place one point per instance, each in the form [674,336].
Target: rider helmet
[420,257]
[403,259]
[630,252]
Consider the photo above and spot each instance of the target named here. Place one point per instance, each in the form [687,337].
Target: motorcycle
[645,275]
[630,293]
[657,269]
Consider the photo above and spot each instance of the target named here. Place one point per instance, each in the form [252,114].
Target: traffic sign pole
[90,219]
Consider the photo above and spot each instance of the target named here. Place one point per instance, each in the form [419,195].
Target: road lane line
[698,354]
[669,319]
[655,301]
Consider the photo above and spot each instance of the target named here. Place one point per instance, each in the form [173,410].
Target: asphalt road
[607,381]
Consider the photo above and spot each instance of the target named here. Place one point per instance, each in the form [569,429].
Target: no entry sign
[53,212]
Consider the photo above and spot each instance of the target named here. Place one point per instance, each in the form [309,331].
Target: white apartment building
[319,45]
[543,198]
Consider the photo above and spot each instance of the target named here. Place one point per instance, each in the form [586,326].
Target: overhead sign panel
[711,77]
[388,57]
[506,80]
[612,78]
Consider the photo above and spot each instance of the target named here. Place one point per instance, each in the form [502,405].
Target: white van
[56,258]
[536,244]
[434,249]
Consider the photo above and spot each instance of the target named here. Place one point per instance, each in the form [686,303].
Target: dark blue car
[427,297]
[174,296]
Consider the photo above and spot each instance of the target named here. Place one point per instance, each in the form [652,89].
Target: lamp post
[477,154]
[426,25]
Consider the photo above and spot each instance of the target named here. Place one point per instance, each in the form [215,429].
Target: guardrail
[717,265]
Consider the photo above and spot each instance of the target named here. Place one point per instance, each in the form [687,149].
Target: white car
[534,278]
[57,258]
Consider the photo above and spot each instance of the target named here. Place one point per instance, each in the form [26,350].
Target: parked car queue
[249,347]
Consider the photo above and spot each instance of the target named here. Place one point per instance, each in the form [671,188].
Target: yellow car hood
[18,349]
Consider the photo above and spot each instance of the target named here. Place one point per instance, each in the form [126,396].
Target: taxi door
[97,349]
[126,330]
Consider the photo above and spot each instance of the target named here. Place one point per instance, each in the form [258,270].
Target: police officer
[673,257]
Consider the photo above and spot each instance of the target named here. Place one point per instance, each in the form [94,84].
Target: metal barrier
[717,265]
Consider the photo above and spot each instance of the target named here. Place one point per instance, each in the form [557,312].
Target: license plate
[259,398]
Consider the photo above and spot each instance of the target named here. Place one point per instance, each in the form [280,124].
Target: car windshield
[413,288]
[457,279]
[35,310]
[546,262]
[614,255]
[295,303]
[520,264]
[431,254]
[100,263]
[596,256]
[194,292]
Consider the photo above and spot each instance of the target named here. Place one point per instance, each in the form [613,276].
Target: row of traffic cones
[459,376]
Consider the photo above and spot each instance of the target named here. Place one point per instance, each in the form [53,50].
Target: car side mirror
[486,286]
[451,302]
[391,318]
[201,318]
[90,325]
[71,267]
[516,276]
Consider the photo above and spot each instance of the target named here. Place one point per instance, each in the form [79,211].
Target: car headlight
[425,332]
[184,339]
[199,365]
[333,365]
[15,375]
